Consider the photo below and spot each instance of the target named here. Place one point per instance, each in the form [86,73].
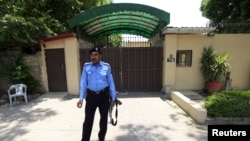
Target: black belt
[98,92]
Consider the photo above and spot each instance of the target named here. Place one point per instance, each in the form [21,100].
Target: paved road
[142,117]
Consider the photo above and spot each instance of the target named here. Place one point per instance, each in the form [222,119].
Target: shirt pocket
[89,74]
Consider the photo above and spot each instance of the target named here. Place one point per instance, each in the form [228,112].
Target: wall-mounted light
[171,58]
[211,33]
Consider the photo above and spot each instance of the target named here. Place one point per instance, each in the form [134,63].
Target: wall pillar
[169,62]
[72,62]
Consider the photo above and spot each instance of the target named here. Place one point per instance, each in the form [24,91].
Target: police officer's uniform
[97,87]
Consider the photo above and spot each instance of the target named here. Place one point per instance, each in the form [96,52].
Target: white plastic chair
[17,90]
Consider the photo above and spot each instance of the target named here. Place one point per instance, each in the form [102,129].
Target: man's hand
[79,103]
[112,104]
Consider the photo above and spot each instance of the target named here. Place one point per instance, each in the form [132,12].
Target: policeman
[97,88]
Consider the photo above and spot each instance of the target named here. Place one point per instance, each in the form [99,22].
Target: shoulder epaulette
[104,63]
[88,63]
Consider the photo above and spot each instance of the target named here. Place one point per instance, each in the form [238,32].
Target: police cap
[95,49]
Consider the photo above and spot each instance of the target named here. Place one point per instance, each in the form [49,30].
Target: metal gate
[133,69]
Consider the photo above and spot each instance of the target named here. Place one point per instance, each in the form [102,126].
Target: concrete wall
[169,68]
[34,61]
[190,78]
[174,78]
[72,62]
[71,52]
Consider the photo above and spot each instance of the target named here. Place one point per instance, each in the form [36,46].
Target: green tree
[113,40]
[24,22]
[226,13]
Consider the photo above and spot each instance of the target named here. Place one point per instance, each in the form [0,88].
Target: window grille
[184,58]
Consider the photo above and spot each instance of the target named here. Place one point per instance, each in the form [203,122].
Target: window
[184,58]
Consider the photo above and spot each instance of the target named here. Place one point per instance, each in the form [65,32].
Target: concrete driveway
[149,116]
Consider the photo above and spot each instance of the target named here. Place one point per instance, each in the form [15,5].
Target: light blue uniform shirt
[96,78]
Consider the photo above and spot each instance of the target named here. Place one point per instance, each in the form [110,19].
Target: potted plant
[214,67]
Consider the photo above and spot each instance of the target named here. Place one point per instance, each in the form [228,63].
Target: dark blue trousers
[92,102]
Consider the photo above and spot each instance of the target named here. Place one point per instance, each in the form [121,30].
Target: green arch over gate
[124,18]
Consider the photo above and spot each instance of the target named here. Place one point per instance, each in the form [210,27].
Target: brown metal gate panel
[133,69]
[142,69]
[113,57]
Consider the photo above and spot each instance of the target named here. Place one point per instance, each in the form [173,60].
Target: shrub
[232,103]
[14,70]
